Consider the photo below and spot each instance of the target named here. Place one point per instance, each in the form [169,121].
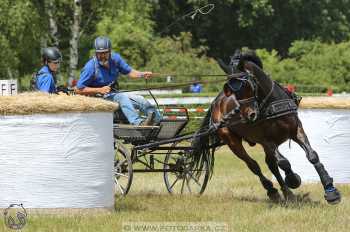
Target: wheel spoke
[120,187]
[122,170]
[195,180]
[182,171]
[174,183]
[123,175]
[121,163]
[182,186]
[188,185]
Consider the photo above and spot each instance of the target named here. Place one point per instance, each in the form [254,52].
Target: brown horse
[256,109]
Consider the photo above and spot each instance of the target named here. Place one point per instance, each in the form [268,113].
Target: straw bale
[325,103]
[42,103]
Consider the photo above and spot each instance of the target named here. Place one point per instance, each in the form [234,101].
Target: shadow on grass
[124,204]
[138,202]
[300,201]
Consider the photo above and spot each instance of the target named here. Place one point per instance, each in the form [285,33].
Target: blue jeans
[128,103]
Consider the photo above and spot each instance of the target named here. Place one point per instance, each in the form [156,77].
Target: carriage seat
[173,122]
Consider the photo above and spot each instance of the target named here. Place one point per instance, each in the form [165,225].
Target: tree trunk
[74,41]
[50,7]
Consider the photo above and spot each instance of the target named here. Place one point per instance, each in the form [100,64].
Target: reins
[169,86]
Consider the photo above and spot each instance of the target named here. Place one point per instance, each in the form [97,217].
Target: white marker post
[8,87]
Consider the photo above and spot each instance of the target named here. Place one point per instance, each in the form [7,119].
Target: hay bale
[43,103]
[325,103]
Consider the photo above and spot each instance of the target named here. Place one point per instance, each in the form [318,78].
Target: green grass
[233,196]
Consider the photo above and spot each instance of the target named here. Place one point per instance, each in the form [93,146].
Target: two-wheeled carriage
[160,148]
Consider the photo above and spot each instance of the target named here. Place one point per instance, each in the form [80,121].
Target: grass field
[234,198]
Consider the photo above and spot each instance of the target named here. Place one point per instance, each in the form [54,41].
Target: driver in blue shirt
[102,71]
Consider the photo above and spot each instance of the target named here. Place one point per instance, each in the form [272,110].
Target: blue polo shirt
[45,81]
[95,75]
[196,88]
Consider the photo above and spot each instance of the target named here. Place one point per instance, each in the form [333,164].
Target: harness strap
[114,84]
[96,67]
[267,96]
[279,108]
[247,100]
[33,81]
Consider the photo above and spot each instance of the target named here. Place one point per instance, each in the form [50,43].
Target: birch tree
[74,41]
[50,9]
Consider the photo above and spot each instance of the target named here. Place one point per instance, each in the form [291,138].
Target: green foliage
[130,28]
[175,55]
[312,63]
[294,47]
[266,24]
[19,37]
[7,63]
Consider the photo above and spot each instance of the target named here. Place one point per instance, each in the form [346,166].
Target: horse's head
[242,85]
[244,90]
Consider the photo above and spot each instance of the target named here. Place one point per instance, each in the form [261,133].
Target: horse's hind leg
[332,195]
[237,148]
[272,161]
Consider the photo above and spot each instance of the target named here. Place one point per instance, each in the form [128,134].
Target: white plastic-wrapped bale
[56,152]
[326,121]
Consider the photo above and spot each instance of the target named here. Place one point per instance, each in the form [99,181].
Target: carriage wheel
[122,170]
[183,179]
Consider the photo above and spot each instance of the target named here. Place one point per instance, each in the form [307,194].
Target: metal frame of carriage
[158,149]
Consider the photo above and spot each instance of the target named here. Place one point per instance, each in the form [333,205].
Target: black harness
[266,109]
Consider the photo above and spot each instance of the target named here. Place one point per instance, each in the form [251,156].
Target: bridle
[246,78]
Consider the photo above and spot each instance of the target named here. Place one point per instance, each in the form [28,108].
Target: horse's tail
[202,151]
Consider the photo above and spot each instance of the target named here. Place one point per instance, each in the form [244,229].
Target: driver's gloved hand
[62,89]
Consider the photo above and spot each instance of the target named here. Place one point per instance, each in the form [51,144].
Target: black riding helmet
[51,54]
[102,44]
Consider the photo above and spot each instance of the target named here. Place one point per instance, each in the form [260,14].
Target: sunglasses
[55,62]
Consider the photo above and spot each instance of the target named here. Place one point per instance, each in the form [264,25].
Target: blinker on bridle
[236,84]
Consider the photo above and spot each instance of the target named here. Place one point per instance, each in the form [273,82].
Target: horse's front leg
[332,195]
[292,179]
[272,160]
[235,144]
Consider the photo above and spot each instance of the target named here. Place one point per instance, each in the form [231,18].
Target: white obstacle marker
[8,87]
[51,159]
[328,131]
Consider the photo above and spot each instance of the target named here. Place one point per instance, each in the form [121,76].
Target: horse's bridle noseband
[246,77]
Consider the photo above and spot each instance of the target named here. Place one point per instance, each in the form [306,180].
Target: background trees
[300,41]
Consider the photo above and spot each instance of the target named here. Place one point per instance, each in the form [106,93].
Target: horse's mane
[250,55]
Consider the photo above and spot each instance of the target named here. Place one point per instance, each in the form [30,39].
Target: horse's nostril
[252,116]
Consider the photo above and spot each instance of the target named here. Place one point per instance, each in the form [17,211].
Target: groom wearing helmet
[45,78]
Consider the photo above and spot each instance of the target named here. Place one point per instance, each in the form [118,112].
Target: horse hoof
[274,196]
[293,180]
[288,194]
[332,196]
